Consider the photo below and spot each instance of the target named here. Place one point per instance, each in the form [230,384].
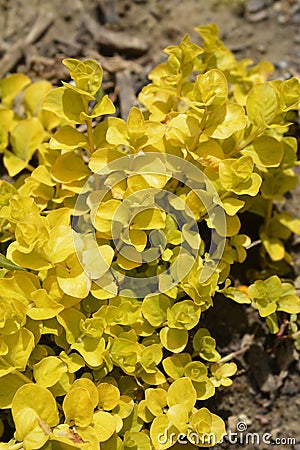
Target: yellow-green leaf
[45,407]
[78,407]
[10,87]
[262,105]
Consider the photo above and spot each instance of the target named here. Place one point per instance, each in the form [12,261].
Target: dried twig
[126,93]
[115,40]
[107,8]
[16,51]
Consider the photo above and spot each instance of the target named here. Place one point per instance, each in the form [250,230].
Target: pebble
[281,64]
[253,6]
[243,418]
[275,432]
[282,19]
[261,48]
[294,8]
[258,16]
[263,420]
[296,19]
[232,422]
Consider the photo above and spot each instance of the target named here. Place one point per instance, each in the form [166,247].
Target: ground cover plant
[116,236]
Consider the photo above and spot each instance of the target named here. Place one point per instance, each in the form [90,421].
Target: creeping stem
[22,376]
[90,135]
[268,215]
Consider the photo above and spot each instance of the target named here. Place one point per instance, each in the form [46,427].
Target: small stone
[232,422]
[263,420]
[258,17]
[296,19]
[261,48]
[282,19]
[282,64]
[275,432]
[243,418]
[253,6]
[294,8]
[259,362]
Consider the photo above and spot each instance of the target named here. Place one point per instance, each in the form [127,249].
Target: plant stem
[234,354]
[90,135]
[268,215]
[22,376]
[30,168]
[244,143]
[17,446]
[240,351]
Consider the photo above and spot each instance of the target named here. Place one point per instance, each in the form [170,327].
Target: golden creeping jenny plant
[105,274]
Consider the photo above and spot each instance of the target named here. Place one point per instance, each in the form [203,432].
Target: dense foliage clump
[116,235]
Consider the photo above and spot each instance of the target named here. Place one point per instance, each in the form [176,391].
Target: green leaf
[211,88]
[88,384]
[66,104]
[136,441]
[125,406]
[103,107]
[33,432]
[10,87]
[26,137]
[209,427]
[225,121]
[196,371]
[68,137]
[205,345]
[178,416]
[6,264]
[86,74]
[163,434]
[182,392]
[148,219]
[262,105]
[265,151]
[289,304]
[48,371]
[237,295]
[156,400]
[232,205]
[174,365]
[265,294]
[109,396]
[183,315]
[26,397]
[205,389]
[154,309]
[272,323]
[275,185]
[8,387]
[289,94]
[274,247]
[173,340]
[78,407]
[20,345]
[34,96]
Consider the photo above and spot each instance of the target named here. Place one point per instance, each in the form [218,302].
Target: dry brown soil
[265,394]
